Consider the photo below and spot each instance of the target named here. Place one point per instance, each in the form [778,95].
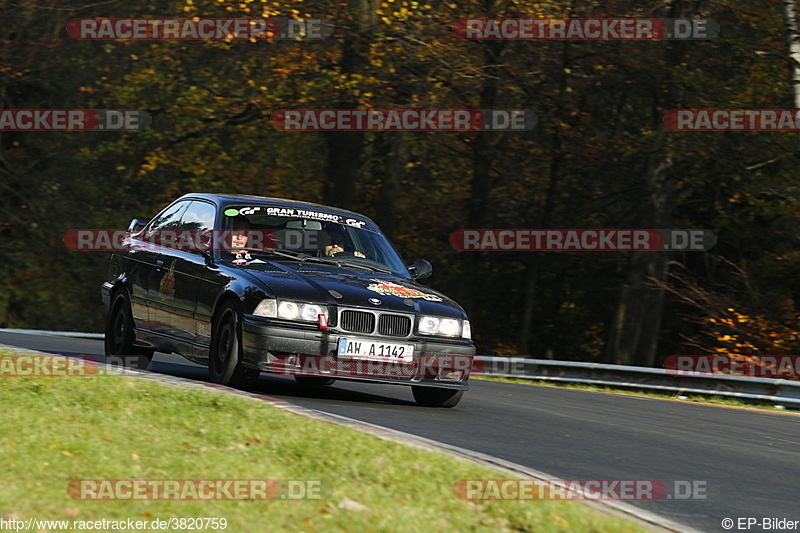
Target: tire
[314,381]
[433,397]
[225,356]
[119,337]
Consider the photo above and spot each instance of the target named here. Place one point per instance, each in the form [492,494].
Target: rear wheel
[225,358]
[433,397]
[119,336]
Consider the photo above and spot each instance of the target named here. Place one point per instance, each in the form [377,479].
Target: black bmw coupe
[246,284]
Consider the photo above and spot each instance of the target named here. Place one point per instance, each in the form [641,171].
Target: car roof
[265,200]
[222,199]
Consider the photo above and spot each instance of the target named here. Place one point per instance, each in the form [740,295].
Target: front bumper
[290,350]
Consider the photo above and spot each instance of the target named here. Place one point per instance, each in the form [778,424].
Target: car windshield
[313,236]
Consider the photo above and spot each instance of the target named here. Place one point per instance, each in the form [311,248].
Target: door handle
[159,264]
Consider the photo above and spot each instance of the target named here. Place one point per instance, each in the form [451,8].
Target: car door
[216,277]
[178,279]
[144,258]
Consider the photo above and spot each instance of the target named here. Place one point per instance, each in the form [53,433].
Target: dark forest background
[599,157]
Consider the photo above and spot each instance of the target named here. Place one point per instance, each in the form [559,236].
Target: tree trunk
[393,144]
[793,34]
[345,148]
[535,259]
[634,336]
[481,182]
[343,162]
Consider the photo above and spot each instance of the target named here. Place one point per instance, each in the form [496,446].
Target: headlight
[310,312]
[267,308]
[428,325]
[466,330]
[434,325]
[288,310]
[449,327]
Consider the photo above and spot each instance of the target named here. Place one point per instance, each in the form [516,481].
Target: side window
[198,219]
[199,216]
[170,218]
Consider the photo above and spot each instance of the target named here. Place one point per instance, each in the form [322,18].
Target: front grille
[357,321]
[394,325]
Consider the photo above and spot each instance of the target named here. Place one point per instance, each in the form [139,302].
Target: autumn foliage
[600,157]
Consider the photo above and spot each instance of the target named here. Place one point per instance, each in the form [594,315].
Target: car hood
[315,282]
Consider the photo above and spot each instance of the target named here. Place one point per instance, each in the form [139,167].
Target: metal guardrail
[777,391]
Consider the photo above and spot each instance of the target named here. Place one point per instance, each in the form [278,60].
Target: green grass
[711,400]
[55,430]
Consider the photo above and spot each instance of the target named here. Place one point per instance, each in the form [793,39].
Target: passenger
[332,242]
[239,239]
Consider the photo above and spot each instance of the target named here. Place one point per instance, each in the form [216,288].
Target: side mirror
[136,226]
[209,257]
[204,240]
[421,269]
[205,243]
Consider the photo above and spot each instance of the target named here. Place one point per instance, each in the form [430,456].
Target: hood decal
[388,288]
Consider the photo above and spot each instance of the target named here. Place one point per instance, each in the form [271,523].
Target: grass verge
[57,430]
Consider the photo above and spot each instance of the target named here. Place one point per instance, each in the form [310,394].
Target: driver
[332,242]
[239,240]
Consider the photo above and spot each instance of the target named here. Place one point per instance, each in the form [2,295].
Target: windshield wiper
[367,267]
[325,260]
[300,256]
[297,256]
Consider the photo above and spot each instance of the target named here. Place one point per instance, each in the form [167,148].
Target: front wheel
[119,336]
[433,397]
[225,358]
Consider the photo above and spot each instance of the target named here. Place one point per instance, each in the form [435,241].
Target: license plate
[375,351]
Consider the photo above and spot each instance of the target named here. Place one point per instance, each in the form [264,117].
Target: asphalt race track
[749,460]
